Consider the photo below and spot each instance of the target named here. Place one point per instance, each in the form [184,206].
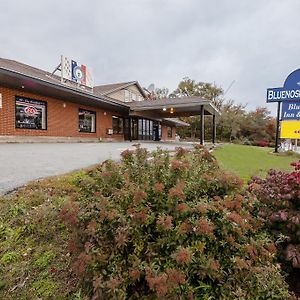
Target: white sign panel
[72,70]
[0,100]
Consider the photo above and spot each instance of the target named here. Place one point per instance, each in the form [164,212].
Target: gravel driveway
[21,163]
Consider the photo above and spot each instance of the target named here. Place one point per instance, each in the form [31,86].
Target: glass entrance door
[126,129]
[134,129]
[156,131]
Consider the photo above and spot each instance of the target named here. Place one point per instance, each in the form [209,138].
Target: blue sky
[255,43]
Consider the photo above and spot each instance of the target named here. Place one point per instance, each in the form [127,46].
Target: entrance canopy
[177,107]
[173,107]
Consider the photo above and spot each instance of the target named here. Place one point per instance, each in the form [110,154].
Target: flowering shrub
[261,143]
[156,227]
[280,195]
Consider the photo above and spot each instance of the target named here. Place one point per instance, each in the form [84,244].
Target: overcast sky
[254,42]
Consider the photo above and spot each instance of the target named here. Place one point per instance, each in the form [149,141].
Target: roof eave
[125,86]
[67,89]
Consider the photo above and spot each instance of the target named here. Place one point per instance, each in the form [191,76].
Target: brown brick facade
[62,118]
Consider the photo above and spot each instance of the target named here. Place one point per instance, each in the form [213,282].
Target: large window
[140,129]
[133,96]
[87,120]
[146,129]
[117,124]
[126,96]
[30,113]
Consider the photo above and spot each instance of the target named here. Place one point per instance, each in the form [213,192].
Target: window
[169,132]
[87,121]
[133,96]
[151,129]
[140,129]
[126,96]
[31,114]
[117,124]
[146,129]
[159,130]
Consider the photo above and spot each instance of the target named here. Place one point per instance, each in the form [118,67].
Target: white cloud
[253,42]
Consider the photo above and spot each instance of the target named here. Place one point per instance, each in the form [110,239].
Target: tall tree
[188,87]
[259,125]
[231,120]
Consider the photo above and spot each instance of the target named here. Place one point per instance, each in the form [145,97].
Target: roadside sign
[290,111]
[290,130]
[290,90]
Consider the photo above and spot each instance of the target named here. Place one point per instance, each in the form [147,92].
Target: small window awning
[173,107]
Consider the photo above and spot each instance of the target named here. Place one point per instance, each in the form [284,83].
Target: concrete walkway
[21,163]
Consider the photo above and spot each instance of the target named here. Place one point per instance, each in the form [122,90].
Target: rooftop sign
[289,92]
[76,72]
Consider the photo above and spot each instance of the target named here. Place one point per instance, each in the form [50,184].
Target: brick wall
[164,133]
[61,121]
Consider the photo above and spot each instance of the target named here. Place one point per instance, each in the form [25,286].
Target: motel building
[66,105]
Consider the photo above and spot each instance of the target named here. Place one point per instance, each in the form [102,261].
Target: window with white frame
[87,120]
[126,95]
[133,96]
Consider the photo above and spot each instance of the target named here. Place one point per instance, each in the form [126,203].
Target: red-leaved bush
[261,143]
[160,227]
[280,195]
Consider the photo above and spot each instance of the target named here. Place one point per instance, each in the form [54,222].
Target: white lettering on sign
[288,115]
[294,106]
[279,95]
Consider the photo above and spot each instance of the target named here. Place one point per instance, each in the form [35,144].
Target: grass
[246,161]
[35,262]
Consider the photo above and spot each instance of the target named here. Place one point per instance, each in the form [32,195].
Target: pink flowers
[183,256]
[139,196]
[177,191]
[135,274]
[204,227]
[127,154]
[165,222]
[241,263]
[180,165]
[139,217]
[184,228]
[159,187]
[182,207]
[293,255]
[114,283]
[164,282]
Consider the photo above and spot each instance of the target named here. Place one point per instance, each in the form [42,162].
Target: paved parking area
[21,163]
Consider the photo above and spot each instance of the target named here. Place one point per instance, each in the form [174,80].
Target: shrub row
[160,227]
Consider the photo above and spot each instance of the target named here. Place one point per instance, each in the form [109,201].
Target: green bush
[156,227]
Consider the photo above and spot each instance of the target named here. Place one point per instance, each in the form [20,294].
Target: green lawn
[246,161]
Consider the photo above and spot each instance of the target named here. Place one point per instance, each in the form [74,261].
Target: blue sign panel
[290,111]
[290,90]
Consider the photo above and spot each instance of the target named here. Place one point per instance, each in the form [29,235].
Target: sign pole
[277,128]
